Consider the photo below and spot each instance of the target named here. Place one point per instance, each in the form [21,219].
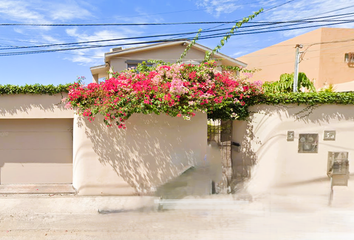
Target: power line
[270,9]
[338,9]
[155,24]
[264,27]
[146,42]
[288,29]
[263,11]
[107,24]
[256,24]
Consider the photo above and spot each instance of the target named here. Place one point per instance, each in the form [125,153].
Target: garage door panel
[35,124]
[36,156]
[24,173]
[36,151]
[36,140]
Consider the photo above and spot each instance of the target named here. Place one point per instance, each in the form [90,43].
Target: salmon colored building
[326,58]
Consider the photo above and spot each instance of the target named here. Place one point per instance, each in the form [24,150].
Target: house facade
[120,59]
[325,58]
[45,147]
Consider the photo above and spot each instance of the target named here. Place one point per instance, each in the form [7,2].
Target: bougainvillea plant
[178,90]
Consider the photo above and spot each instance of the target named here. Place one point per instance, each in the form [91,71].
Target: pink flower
[68,105]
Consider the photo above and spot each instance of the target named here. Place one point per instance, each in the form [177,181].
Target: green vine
[189,46]
[209,55]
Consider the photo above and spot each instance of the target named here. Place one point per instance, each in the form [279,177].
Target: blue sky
[65,67]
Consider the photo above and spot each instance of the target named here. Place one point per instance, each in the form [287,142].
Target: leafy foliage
[33,89]
[328,89]
[286,81]
[310,98]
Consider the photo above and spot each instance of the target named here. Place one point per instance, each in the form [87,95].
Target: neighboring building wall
[333,69]
[150,152]
[272,165]
[280,58]
[322,63]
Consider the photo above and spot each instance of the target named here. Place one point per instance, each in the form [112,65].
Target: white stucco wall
[33,106]
[274,165]
[106,161]
[151,151]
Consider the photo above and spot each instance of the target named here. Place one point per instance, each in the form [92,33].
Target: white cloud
[238,53]
[41,11]
[95,56]
[217,7]
[65,12]
[50,39]
[302,9]
[19,11]
[102,35]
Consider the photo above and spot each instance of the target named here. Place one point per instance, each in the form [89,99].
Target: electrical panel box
[338,168]
[308,143]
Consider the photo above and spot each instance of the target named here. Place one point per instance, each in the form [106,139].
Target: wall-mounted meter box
[338,168]
[308,143]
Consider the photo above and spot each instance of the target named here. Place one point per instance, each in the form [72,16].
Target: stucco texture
[151,151]
[271,164]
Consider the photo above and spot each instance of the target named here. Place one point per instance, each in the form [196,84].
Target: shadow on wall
[150,152]
[24,103]
[247,157]
[308,114]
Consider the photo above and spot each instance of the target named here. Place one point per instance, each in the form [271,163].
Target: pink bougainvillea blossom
[177,90]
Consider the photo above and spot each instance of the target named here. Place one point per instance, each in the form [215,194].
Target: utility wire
[110,40]
[277,30]
[263,12]
[155,24]
[105,24]
[270,9]
[265,26]
[147,42]
[252,31]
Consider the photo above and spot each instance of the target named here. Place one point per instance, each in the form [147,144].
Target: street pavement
[268,217]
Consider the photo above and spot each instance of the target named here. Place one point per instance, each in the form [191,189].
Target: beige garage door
[36,151]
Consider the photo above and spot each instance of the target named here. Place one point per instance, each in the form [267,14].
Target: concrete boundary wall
[151,151]
[33,106]
[271,164]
